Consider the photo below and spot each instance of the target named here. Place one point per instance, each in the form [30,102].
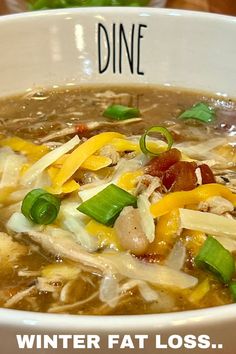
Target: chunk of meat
[130,232]
[158,165]
[180,176]
[207,174]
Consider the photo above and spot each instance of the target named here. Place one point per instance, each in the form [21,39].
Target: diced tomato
[81,128]
[207,174]
[180,176]
[158,165]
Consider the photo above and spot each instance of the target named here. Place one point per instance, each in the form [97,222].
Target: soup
[117,201]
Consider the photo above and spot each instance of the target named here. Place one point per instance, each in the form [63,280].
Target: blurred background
[227,7]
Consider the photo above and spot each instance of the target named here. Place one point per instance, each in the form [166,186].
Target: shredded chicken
[19,296]
[110,151]
[109,94]
[111,262]
[59,134]
[45,285]
[70,307]
[228,179]
[216,205]
[105,309]
[147,184]
[28,273]
[155,197]
[68,248]
[88,126]
[64,296]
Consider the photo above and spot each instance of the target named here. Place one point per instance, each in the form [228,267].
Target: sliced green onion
[106,206]
[214,257]
[40,207]
[232,287]
[119,112]
[201,112]
[158,129]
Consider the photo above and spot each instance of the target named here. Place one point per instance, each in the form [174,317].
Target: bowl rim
[126,323]
[128,10]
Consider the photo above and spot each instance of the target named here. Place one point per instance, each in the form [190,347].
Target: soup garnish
[119,112]
[40,207]
[132,214]
[157,129]
[200,112]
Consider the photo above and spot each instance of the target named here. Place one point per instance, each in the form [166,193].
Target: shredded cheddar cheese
[128,180]
[93,163]
[32,151]
[195,196]
[106,235]
[67,187]
[199,292]
[81,154]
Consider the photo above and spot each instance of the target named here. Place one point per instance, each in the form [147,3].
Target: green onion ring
[158,129]
[40,207]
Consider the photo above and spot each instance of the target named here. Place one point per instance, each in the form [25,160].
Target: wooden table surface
[227,7]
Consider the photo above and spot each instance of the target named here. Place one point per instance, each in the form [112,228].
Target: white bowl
[176,48]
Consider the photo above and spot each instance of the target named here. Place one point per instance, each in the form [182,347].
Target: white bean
[130,232]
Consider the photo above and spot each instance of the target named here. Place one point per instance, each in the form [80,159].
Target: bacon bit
[160,164]
[180,176]
[81,128]
[207,174]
